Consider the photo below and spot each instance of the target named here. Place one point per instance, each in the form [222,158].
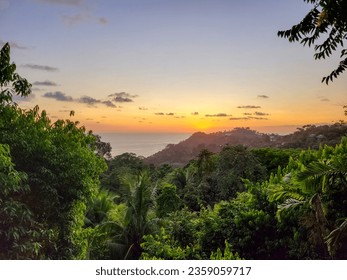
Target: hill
[308,136]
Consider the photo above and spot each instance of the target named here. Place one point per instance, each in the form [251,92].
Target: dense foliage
[61,199]
[52,172]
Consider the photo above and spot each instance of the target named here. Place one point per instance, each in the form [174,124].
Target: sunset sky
[170,65]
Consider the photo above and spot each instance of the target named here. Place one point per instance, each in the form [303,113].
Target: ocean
[142,144]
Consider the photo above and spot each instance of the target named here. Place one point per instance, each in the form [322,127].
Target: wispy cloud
[13,45]
[143,108]
[71,20]
[90,101]
[18,98]
[247,118]
[325,100]
[258,118]
[195,113]
[93,102]
[159,114]
[109,103]
[170,114]
[63,2]
[4,4]
[45,83]
[35,89]
[102,20]
[260,114]
[84,16]
[219,115]
[122,97]
[58,95]
[40,67]
[238,118]
[249,107]
[263,96]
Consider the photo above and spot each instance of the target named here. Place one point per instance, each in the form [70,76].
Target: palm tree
[330,178]
[322,184]
[103,221]
[140,198]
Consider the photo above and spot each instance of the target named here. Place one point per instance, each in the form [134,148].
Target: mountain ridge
[308,136]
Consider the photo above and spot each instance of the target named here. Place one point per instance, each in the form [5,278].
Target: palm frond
[335,237]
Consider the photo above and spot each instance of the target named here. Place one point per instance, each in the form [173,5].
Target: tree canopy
[49,171]
[327,19]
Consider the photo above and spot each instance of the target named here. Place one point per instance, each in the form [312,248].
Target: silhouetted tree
[326,17]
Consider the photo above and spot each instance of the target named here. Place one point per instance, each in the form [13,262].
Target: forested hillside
[309,136]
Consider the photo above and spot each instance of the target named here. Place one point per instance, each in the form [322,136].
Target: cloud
[164,114]
[4,4]
[325,100]
[109,104]
[13,45]
[263,96]
[40,67]
[143,108]
[18,98]
[258,118]
[45,83]
[238,118]
[122,97]
[219,115]
[260,114]
[90,101]
[62,2]
[247,114]
[102,20]
[35,89]
[179,117]
[58,95]
[83,16]
[195,113]
[247,118]
[249,107]
[71,20]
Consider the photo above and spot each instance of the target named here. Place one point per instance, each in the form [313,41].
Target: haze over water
[142,144]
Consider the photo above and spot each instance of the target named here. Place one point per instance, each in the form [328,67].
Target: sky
[170,65]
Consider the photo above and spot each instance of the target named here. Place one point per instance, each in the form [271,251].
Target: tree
[59,163]
[205,162]
[127,163]
[10,82]
[18,231]
[103,148]
[167,201]
[315,192]
[234,164]
[326,17]
[140,198]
